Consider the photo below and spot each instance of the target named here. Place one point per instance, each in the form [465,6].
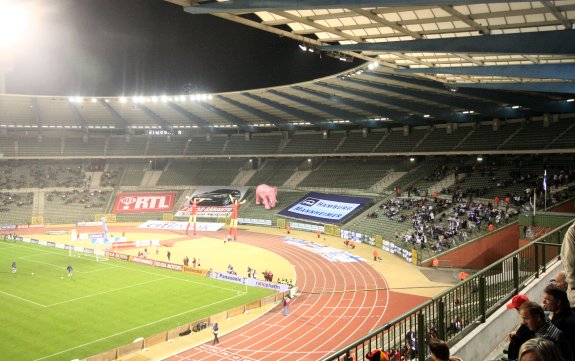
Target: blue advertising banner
[325,208]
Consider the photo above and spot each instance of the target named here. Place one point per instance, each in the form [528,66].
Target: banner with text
[144,202]
[181,226]
[325,208]
[216,201]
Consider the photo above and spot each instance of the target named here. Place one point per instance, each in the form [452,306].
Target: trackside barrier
[195,326]
[458,310]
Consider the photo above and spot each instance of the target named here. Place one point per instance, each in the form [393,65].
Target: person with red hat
[377,355]
[522,334]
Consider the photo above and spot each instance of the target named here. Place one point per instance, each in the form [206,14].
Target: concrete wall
[484,252]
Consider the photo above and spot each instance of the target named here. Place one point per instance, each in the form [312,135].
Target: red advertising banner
[144,202]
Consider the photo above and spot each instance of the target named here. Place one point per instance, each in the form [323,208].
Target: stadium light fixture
[303,47]
[14,21]
[479,158]
[570,100]
[373,65]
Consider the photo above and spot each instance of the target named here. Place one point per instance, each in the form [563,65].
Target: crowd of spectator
[8,200]
[110,178]
[42,176]
[86,197]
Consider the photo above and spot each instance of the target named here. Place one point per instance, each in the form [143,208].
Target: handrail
[456,311]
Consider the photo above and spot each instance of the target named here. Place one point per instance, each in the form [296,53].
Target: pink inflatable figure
[267,195]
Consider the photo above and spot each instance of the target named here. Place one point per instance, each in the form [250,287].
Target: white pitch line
[105,292]
[23,299]
[135,328]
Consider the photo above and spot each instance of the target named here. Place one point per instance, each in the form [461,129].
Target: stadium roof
[424,62]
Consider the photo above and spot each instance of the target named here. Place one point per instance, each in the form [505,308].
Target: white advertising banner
[181,226]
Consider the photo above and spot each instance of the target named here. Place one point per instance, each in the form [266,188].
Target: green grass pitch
[44,315]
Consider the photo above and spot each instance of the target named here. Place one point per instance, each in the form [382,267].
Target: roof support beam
[545,87]
[301,114]
[161,121]
[197,121]
[280,123]
[340,113]
[466,19]
[539,71]
[240,123]
[568,24]
[544,42]
[249,6]
[123,123]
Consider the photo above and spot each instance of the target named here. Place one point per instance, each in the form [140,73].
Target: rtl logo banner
[144,202]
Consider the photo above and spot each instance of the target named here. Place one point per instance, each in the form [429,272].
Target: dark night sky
[146,47]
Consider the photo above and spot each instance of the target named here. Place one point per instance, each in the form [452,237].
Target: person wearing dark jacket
[555,301]
[533,315]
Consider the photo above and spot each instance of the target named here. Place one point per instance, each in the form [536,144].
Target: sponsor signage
[146,261]
[269,285]
[230,278]
[57,231]
[260,222]
[121,256]
[88,224]
[325,208]
[27,226]
[144,202]
[7,226]
[216,201]
[329,253]
[181,226]
[166,265]
[159,264]
[198,271]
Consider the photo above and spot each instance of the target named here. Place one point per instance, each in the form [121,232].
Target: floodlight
[13,23]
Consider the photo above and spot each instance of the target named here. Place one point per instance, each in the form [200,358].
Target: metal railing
[458,310]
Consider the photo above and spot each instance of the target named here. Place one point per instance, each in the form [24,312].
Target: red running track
[332,310]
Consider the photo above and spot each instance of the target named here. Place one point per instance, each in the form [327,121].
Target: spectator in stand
[568,261]
[522,334]
[440,351]
[561,280]
[533,315]
[555,301]
[540,349]
[377,355]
